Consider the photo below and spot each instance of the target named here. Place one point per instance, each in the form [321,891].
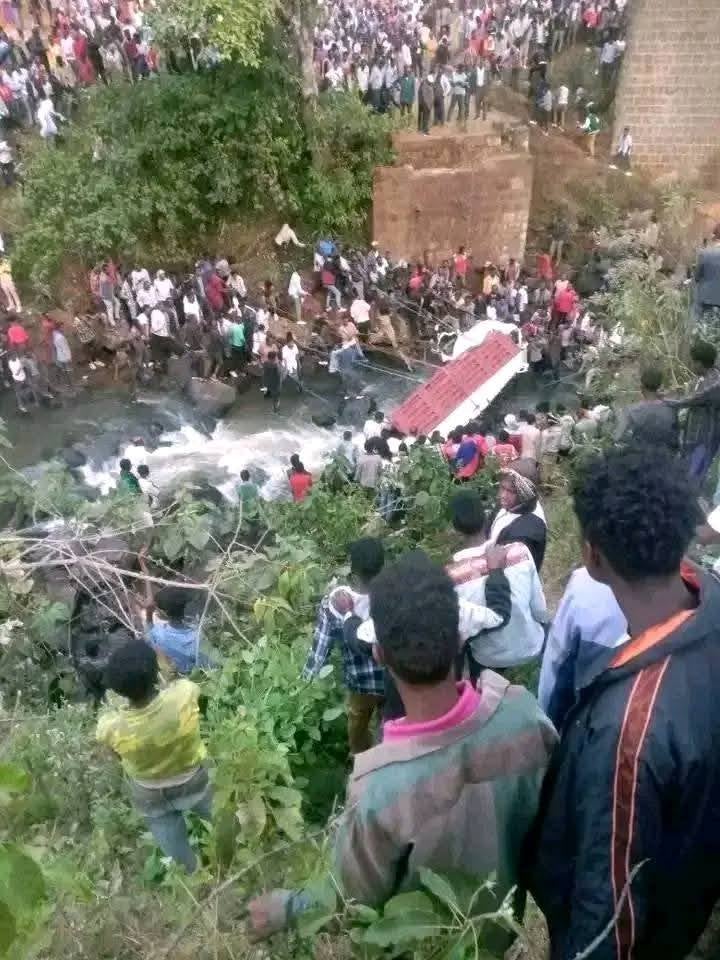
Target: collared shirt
[361,674]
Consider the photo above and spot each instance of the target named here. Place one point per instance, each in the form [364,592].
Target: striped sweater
[458,797]
[461,799]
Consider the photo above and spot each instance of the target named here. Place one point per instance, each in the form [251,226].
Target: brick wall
[669,92]
[426,205]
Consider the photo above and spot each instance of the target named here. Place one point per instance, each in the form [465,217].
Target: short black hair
[379,416]
[543,407]
[143,470]
[244,474]
[503,436]
[172,601]
[125,464]
[132,670]
[347,435]
[703,353]
[638,508]
[414,607]
[651,379]
[468,512]
[367,557]
[523,415]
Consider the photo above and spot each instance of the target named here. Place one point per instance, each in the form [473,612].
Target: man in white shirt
[562,97]
[363,77]
[191,307]
[163,286]
[373,426]
[138,277]
[290,361]
[146,295]
[296,292]
[160,341]
[20,381]
[159,324]
[514,639]
[360,314]
[624,152]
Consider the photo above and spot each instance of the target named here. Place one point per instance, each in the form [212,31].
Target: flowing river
[103,423]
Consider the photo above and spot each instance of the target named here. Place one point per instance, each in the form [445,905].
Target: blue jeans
[164,810]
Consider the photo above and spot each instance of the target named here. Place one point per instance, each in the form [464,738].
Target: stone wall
[449,191]
[669,91]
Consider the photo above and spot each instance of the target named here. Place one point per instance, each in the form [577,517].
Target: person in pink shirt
[564,303]
[460,266]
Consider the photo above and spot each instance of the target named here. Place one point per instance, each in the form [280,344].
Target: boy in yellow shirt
[156,734]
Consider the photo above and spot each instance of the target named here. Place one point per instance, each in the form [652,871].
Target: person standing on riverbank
[127,481]
[290,362]
[272,379]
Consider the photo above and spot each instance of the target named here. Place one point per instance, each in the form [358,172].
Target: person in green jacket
[238,353]
[407,92]
[590,127]
[127,481]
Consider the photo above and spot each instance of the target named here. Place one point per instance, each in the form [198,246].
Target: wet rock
[210,397]
[179,370]
[73,458]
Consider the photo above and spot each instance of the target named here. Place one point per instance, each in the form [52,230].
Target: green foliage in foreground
[277,742]
[152,170]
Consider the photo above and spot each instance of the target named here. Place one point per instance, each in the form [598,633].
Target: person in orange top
[299,478]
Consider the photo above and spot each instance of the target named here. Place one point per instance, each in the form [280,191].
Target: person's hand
[267,914]
[343,602]
[496,557]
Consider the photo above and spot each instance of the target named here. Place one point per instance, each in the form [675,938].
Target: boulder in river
[210,397]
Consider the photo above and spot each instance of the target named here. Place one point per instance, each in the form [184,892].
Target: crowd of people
[441,60]
[339,305]
[600,796]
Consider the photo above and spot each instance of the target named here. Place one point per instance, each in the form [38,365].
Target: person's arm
[477,618]
[556,689]
[323,641]
[367,860]
[538,605]
[704,396]
[149,604]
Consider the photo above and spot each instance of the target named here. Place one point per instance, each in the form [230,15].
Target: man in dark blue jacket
[625,862]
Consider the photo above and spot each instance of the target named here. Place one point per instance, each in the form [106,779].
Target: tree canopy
[152,170]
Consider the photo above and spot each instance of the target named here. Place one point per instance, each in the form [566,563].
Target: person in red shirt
[215,291]
[544,266]
[299,478]
[17,335]
[504,450]
[564,303]
[80,46]
[460,266]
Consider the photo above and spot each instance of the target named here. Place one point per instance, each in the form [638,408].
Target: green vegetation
[277,742]
[153,171]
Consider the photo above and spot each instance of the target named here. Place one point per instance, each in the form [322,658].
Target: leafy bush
[153,170]
[174,157]
[347,142]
